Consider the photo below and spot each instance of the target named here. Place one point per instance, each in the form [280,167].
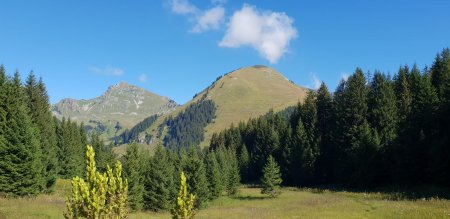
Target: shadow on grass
[250,198]
[394,193]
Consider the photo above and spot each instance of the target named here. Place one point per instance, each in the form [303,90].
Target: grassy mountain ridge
[239,95]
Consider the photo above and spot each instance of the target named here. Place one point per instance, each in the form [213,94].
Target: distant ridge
[122,106]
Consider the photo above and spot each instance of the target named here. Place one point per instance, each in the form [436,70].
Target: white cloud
[267,32]
[203,20]
[209,19]
[107,70]
[183,7]
[143,78]
[315,81]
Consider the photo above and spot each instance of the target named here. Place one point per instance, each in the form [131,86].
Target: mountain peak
[122,85]
[122,102]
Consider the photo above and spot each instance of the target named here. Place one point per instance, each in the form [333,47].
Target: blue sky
[178,47]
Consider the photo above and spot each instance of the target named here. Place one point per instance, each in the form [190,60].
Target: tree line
[372,131]
[153,181]
[132,135]
[187,128]
[35,147]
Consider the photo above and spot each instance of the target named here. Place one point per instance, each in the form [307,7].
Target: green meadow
[292,203]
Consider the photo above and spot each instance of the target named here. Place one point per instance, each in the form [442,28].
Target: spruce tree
[244,163]
[266,143]
[403,94]
[213,175]
[133,163]
[159,181]
[383,109]
[440,75]
[421,128]
[104,154]
[233,175]
[41,117]
[194,168]
[20,163]
[222,160]
[310,148]
[352,132]
[440,151]
[70,155]
[271,179]
[302,158]
[3,122]
[326,158]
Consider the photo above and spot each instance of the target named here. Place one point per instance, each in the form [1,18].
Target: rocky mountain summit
[121,106]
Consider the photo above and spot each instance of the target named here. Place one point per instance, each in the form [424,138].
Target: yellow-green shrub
[184,207]
[100,195]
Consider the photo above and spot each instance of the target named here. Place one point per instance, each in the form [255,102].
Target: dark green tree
[352,133]
[440,75]
[383,109]
[213,174]
[440,151]
[70,149]
[326,158]
[233,175]
[104,154]
[244,163]
[160,185]
[266,142]
[20,163]
[421,126]
[310,148]
[194,168]
[133,170]
[41,117]
[271,179]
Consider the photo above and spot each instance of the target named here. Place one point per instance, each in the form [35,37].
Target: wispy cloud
[204,20]
[107,70]
[143,78]
[183,7]
[315,81]
[209,19]
[267,32]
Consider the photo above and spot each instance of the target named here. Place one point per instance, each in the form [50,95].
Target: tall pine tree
[326,158]
[20,166]
[41,117]
[133,170]
[160,185]
[194,168]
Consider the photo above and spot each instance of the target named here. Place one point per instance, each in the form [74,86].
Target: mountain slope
[239,95]
[121,106]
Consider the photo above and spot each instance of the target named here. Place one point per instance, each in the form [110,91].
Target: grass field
[293,203]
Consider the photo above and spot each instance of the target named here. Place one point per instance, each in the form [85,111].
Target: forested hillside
[188,127]
[369,132]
